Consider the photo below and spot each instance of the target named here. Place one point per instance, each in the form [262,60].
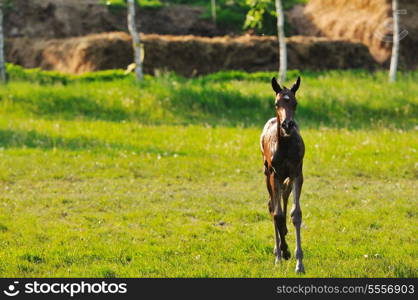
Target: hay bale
[189,55]
[74,55]
[186,55]
[365,21]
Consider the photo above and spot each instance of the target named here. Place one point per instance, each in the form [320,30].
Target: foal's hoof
[278,260]
[299,268]
[286,254]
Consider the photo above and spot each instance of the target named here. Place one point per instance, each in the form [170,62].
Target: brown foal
[283,150]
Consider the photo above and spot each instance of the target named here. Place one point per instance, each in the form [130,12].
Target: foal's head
[285,106]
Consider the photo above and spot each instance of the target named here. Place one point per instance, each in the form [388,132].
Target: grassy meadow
[101,176]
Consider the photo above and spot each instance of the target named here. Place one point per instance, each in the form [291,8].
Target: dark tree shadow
[202,103]
[69,107]
[33,139]
[232,108]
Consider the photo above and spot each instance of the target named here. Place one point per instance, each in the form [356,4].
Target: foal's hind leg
[279,219]
[287,189]
[296,214]
[269,176]
[271,210]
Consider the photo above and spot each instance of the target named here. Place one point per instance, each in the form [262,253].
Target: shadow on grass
[354,116]
[195,102]
[219,107]
[72,105]
[231,108]
[33,139]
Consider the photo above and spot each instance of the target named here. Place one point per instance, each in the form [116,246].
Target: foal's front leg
[296,215]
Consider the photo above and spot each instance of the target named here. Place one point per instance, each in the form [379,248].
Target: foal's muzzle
[287,125]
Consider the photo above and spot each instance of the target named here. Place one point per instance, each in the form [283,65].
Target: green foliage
[7,4]
[141,3]
[163,178]
[257,13]
[262,15]
[241,75]
[17,73]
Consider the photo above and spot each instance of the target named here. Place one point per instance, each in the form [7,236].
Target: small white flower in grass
[366,256]
[197,257]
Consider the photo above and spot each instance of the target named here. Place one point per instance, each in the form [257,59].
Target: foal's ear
[276,87]
[295,86]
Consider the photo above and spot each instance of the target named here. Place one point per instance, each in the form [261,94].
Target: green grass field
[110,178]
